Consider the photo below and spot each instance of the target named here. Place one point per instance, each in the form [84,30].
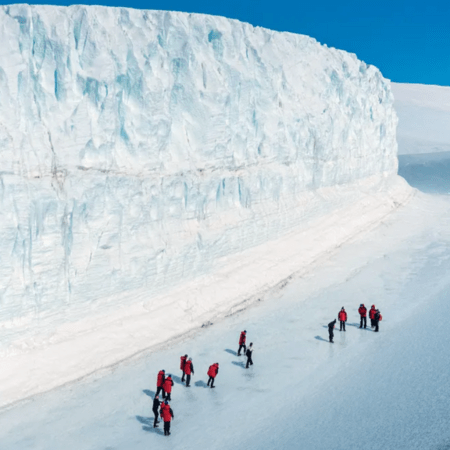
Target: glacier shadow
[428,172]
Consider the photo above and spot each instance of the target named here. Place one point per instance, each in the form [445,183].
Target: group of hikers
[164,383]
[374,315]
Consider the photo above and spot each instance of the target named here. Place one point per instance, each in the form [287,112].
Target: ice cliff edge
[137,148]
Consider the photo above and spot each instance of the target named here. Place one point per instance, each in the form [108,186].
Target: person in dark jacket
[376,319]
[242,338]
[330,330]
[188,369]
[156,404]
[168,383]
[249,354]
[342,316]
[183,360]
[363,313]
[167,416]
[372,315]
[212,373]
[160,382]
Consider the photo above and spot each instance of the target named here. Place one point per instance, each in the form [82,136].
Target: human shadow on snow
[231,352]
[149,393]
[147,423]
[177,379]
[239,363]
[201,384]
[320,338]
[356,325]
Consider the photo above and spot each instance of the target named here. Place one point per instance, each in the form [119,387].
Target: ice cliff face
[138,147]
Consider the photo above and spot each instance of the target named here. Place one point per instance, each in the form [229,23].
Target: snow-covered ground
[424,118]
[369,391]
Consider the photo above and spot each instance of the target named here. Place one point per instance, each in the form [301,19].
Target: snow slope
[424,118]
[424,135]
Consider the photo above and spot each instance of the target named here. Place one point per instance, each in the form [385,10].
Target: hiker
[183,360]
[212,372]
[160,382]
[188,369]
[167,416]
[156,404]
[249,353]
[372,315]
[242,338]
[363,313]
[330,330]
[168,383]
[376,319]
[342,318]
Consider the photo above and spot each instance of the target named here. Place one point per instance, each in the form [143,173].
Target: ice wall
[138,147]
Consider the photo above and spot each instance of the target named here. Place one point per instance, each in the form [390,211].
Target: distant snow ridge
[138,147]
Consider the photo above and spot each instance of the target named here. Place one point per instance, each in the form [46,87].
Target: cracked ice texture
[138,147]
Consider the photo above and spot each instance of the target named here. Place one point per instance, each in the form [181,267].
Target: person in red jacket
[242,339]
[167,416]
[342,316]
[376,319]
[160,382]
[167,386]
[372,316]
[363,313]
[183,360]
[188,369]
[212,372]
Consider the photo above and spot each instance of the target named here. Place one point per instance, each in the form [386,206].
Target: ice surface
[140,150]
[368,391]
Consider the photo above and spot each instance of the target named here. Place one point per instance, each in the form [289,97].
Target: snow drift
[141,150]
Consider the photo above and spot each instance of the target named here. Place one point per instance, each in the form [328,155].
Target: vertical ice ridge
[139,147]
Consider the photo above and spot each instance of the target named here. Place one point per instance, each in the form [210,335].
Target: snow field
[73,350]
[301,389]
[424,118]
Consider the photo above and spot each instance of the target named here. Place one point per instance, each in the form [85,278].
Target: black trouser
[188,380]
[241,346]
[342,325]
[167,397]
[160,389]
[330,332]
[182,378]
[372,323]
[211,380]
[363,319]
[156,417]
[166,428]
[249,361]
[375,323]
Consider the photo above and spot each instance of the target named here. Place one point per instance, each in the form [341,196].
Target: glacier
[142,150]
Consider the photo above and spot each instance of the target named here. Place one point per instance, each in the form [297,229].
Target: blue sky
[408,40]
